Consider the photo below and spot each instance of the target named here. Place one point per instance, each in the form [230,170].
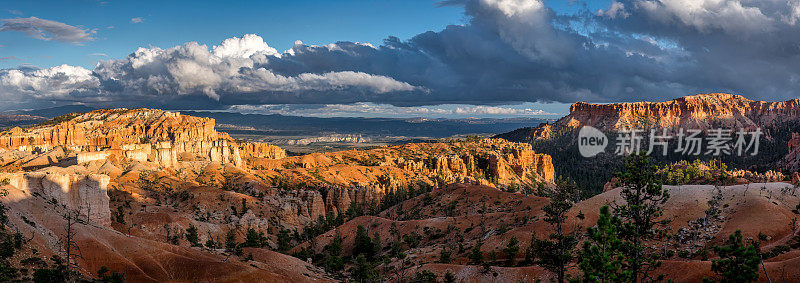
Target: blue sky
[482,57]
[170,23]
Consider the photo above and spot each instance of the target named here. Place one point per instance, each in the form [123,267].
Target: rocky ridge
[137,134]
[701,111]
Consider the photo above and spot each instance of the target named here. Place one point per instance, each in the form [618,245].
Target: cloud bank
[362,109]
[509,51]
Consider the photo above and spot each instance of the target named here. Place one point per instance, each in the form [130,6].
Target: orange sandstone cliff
[137,134]
[701,111]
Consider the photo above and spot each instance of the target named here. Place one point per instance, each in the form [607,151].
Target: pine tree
[257,239]
[557,252]
[511,250]
[601,259]
[191,236]
[363,271]
[444,255]
[475,255]
[284,240]
[363,244]
[230,240]
[644,197]
[738,262]
[449,277]
[332,255]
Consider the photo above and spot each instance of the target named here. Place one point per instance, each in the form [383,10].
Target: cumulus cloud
[47,29]
[236,67]
[730,16]
[60,82]
[509,51]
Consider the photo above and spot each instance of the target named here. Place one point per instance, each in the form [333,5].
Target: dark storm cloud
[509,51]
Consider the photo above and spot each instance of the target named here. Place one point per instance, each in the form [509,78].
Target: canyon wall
[365,176]
[85,194]
[702,111]
[137,134]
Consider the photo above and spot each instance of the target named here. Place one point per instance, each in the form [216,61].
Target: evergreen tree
[475,255]
[444,255]
[363,244]
[332,255]
[258,240]
[738,262]
[230,240]
[449,277]
[377,246]
[284,240]
[191,236]
[425,276]
[557,251]
[601,259]
[363,271]
[511,250]
[644,197]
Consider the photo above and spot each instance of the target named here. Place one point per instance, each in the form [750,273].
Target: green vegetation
[556,252]
[695,172]
[191,236]
[615,249]
[601,259]
[644,197]
[258,240]
[364,245]
[60,119]
[738,262]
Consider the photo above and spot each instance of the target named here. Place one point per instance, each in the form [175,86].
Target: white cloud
[47,30]
[56,82]
[523,24]
[231,68]
[137,20]
[363,109]
[730,16]
[244,47]
[617,9]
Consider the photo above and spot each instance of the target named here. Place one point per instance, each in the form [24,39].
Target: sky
[452,58]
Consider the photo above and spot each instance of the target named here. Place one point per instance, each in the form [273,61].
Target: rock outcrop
[261,150]
[364,176]
[702,111]
[791,162]
[136,134]
[85,194]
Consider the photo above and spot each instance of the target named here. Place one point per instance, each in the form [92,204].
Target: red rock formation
[696,110]
[700,111]
[138,134]
[261,150]
[85,194]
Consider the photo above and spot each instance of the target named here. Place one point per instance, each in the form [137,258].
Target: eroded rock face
[365,176]
[137,134]
[696,111]
[261,150]
[791,161]
[85,194]
[702,111]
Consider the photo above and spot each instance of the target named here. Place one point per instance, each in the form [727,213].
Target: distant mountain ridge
[411,127]
[701,111]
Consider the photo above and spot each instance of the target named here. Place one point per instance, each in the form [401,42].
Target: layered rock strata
[137,134]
